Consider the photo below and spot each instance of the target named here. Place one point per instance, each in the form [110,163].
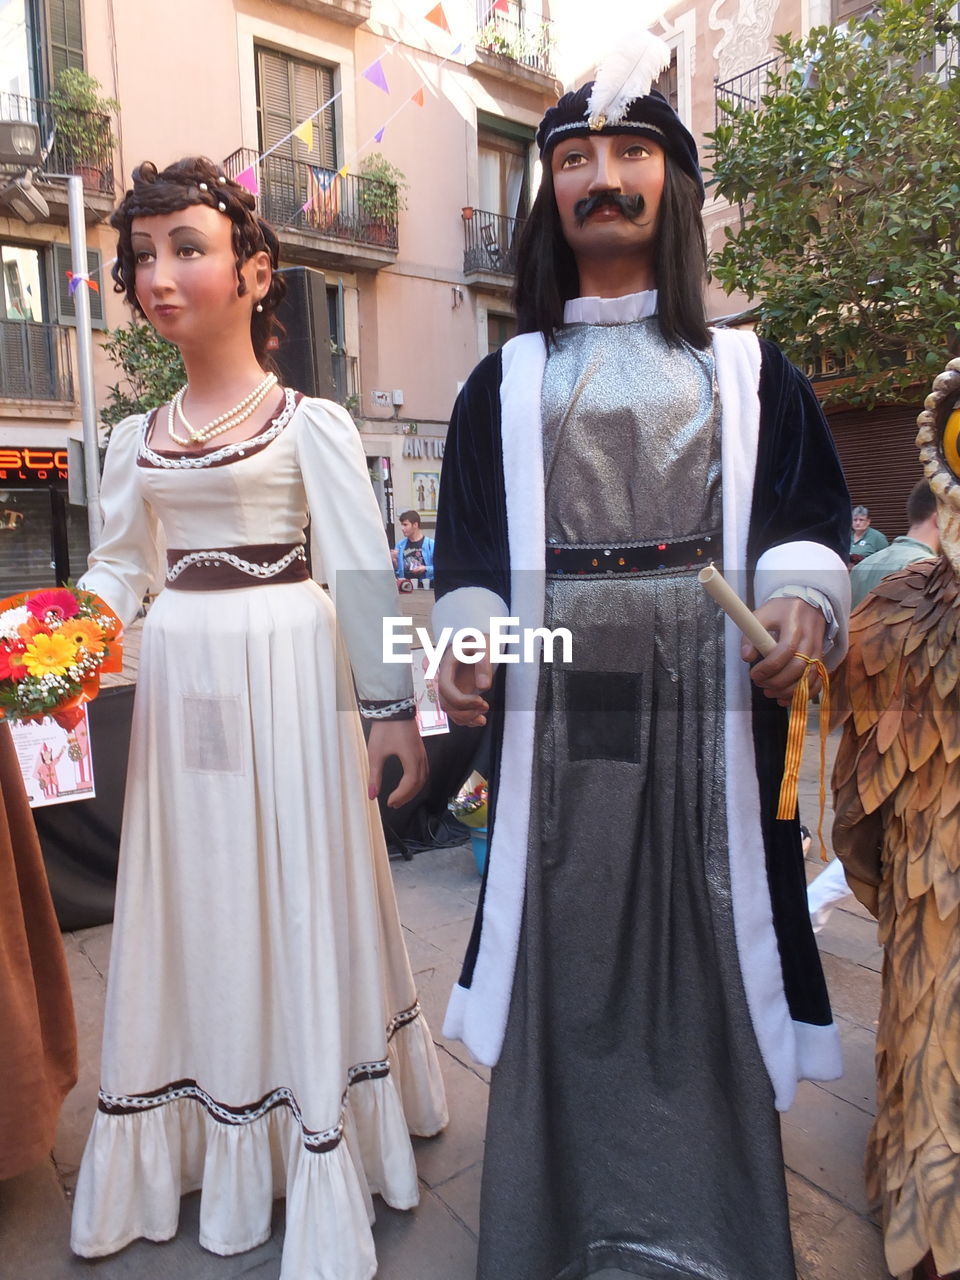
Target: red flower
[11,662]
[61,603]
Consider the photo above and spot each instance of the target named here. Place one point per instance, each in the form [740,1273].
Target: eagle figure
[897,831]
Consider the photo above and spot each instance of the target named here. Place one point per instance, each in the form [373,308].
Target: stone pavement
[823,1134]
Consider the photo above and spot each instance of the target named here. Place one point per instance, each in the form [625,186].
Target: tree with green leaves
[847,175]
[152,371]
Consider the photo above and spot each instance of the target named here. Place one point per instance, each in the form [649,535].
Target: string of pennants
[304,131]
[376,75]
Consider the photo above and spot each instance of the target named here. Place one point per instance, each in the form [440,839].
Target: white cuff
[468,607]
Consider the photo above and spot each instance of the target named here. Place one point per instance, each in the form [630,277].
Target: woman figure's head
[194,258]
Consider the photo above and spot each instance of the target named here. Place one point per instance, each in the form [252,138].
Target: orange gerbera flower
[85,633]
[33,627]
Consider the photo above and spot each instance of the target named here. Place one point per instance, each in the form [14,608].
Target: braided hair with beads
[197,180]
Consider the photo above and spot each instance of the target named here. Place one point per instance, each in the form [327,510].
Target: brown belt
[226,568]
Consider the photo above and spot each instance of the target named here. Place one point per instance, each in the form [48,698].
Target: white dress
[263,1036]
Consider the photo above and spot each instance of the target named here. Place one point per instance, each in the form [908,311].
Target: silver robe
[632,1129]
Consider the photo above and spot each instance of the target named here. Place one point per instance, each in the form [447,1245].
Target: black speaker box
[303,353]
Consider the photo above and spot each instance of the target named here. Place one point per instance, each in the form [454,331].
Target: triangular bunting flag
[378,136]
[305,133]
[248,179]
[454,52]
[418,98]
[438,18]
[73,283]
[501,6]
[376,75]
[342,173]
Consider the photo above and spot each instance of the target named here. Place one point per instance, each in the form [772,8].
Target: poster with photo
[56,763]
[431,717]
[425,488]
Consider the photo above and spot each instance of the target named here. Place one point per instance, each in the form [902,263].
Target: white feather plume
[626,74]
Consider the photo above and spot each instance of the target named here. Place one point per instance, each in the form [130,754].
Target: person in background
[413,555]
[864,539]
[921,541]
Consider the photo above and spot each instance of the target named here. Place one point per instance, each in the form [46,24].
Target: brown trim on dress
[226,568]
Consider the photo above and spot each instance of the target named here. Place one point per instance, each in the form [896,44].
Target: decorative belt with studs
[226,568]
[632,559]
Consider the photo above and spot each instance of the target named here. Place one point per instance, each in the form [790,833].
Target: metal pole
[88,404]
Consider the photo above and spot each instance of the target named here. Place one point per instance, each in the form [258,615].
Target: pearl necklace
[232,418]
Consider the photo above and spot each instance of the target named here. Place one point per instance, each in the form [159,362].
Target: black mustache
[630,206]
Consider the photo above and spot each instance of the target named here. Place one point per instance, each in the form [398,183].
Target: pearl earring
[258,307]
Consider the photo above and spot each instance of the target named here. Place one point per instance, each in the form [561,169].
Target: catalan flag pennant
[438,18]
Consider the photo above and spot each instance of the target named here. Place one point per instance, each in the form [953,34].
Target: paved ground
[823,1134]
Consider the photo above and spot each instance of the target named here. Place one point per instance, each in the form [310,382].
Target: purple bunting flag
[375,74]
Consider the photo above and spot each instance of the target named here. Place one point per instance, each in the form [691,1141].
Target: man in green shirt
[864,540]
[921,541]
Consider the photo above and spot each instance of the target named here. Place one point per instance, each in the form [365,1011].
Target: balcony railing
[505,27]
[490,242]
[306,198]
[743,92]
[346,380]
[35,361]
[82,141]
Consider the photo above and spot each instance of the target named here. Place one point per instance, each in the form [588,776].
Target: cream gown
[263,1036]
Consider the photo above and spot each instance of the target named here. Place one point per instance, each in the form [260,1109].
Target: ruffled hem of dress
[136,1167]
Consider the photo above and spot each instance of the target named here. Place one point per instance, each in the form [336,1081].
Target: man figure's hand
[462,687]
[798,627]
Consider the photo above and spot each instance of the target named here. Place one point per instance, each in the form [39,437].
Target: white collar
[632,306]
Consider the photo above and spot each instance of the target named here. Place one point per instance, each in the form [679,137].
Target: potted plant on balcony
[84,138]
[380,197]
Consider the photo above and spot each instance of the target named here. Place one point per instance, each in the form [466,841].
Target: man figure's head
[410,525]
[861,521]
[922,516]
[618,208]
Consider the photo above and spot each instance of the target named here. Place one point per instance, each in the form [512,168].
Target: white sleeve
[350,542]
[125,563]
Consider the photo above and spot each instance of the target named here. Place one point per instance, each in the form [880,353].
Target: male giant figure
[642,968]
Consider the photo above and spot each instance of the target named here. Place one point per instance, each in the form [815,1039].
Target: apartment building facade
[411,296]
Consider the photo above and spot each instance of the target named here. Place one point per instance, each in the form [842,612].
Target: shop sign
[423,447]
[27,466]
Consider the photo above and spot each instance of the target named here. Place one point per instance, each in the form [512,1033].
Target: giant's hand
[462,686]
[798,628]
[400,738]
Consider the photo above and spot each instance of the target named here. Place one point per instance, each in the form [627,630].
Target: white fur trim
[810,564]
[818,1053]
[482,1014]
[468,607]
[738,379]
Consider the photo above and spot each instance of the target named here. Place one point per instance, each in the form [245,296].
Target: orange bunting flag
[418,98]
[438,18]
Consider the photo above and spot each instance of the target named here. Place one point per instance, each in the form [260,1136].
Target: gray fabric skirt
[632,1128]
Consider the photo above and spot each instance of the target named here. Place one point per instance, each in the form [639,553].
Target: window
[503,152]
[500,329]
[666,82]
[288,92]
[64,36]
[23,291]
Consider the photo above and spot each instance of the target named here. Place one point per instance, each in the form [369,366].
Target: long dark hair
[547,275]
[197,180]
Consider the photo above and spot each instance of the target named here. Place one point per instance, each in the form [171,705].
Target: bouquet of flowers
[470,806]
[54,646]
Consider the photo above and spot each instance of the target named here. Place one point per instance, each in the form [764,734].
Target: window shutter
[65,306]
[289,92]
[276,108]
[64,36]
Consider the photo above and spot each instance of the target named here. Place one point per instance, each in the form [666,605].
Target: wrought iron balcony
[306,198]
[505,27]
[82,141]
[743,92]
[35,361]
[490,242]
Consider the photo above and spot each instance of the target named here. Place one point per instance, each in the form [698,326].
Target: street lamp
[20,151]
